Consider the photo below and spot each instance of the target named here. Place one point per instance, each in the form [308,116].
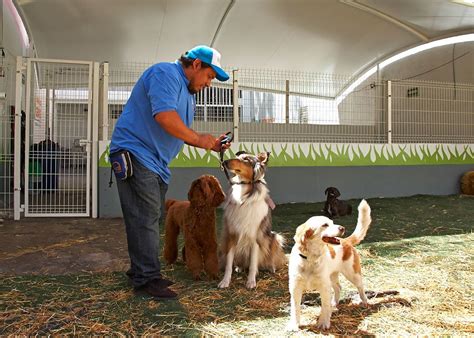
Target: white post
[287,101]
[17,150]
[104,102]
[235,88]
[95,137]
[28,117]
[205,103]
[389,112]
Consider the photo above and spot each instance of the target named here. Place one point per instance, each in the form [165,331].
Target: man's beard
[191,89]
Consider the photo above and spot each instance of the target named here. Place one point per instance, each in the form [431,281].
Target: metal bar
[61,61]
[27,133]
[386,17]
[389,112]
[287,101]
[89,138]
[235,87]
[231,3]
[205,103]
[104,106]
[95,138]
[17,150]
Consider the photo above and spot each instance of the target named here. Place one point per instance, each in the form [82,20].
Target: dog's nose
[342,230]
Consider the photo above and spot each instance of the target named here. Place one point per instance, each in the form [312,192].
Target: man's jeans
[142,199]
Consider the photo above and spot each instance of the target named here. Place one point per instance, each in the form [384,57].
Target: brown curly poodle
[196,218]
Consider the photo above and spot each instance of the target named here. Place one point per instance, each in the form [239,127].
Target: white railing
[283,106]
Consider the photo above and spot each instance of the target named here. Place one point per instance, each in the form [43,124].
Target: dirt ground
[65,276]
[59,246]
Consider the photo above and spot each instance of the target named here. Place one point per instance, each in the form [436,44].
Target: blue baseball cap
[210,56]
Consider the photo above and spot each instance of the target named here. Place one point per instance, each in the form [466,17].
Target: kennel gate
[58,138]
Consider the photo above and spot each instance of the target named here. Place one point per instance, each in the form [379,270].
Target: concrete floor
[62,246]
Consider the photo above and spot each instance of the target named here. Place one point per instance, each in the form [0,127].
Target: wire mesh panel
[122,78]
[286,106]
[432,112]
[7,80]
[214,109]
[283,106]
[214,105]
[58,138]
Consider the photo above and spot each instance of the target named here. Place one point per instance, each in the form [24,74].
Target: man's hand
[172,123]
[206,141]
[218,145]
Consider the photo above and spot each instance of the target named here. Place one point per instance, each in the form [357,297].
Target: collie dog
[318,257]
[247,239]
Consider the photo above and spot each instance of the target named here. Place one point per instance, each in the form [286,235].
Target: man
[152,128]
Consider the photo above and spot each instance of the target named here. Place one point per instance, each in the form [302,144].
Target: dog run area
[67,276]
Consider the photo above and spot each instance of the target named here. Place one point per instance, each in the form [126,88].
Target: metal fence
[430,112]
[58,134]
[7,117]
[258,105]
[284,106]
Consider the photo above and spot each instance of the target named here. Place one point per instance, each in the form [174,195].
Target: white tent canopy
[328,36]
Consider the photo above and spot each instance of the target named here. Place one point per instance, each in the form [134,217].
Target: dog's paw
[324,323]
[292,326]
[251,284]
[356,300]
[224,283]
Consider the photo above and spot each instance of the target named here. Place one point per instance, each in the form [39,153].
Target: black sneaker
[152,288]
[162,282]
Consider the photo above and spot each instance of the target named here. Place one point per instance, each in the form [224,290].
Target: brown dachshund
[196,218]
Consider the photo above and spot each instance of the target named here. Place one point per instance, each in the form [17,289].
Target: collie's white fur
[318,257]
[247,240]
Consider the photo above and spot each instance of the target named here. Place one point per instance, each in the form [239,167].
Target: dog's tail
[170,251]
[363,222]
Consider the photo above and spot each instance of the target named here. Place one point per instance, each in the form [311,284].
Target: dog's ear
[263,157]
[308,234]
[303,232]
[217,192]
[240,152]
[198,193]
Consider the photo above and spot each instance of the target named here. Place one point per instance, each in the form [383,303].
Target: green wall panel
[321,154]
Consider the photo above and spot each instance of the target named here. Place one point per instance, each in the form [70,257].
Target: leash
[229,137]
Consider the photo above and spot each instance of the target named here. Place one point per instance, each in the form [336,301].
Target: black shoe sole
[130,282]
[141,293]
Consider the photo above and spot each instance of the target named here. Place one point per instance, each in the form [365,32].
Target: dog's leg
[324,321]
[295,308]
[171,240]
[228,268]
[210,260]
[336,287]
[253,268]
[356,279]
[193,255]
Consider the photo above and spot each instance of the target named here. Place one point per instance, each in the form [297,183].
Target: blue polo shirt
[162,87]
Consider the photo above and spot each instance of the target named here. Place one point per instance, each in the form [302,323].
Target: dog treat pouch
[121,164]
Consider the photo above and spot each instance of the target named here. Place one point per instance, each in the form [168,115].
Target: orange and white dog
[247,239]
[318,257]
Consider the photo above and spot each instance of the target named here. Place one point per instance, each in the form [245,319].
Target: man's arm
[173,125]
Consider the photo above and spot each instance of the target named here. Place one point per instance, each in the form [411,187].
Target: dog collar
[240,183]
[303,256]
